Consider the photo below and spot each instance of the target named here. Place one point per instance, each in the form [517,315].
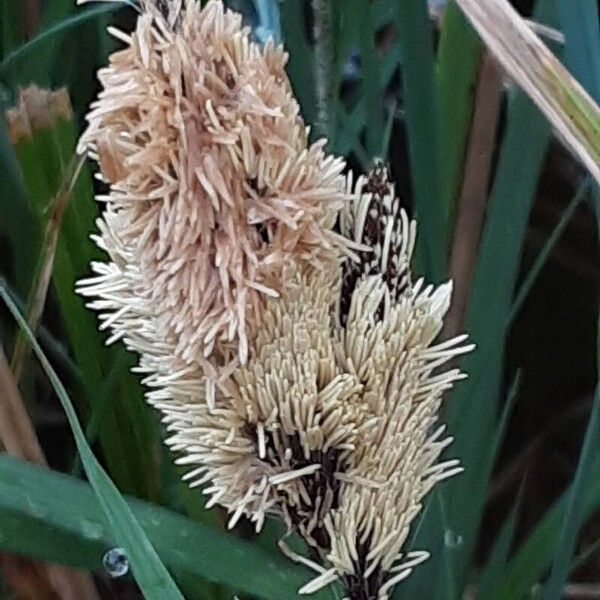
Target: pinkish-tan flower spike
[214,187]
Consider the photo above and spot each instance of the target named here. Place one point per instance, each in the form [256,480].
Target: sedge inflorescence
[294,382]
[213,185]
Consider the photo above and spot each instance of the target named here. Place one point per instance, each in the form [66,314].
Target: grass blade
[470,209]
[511,398]
[546,250]
[371,81]
[473,408]
[19,438]
[587,553]
[56,517]
[500,551]
[43,275]
[150,573]
[585,476]
[300,67]
[422,123]
[17,432]
[457,65]
[16,217]
[10,26]
[322,17]
[535,555]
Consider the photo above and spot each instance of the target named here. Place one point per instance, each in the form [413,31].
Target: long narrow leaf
[300,67]
[16,217]
[511,397]
[422,123]
[500,551]
[56,517]
[457,66]
[542,257]
[372,92]
[585,477]
[535,555]
[150,573]
[474,407]
[127,434]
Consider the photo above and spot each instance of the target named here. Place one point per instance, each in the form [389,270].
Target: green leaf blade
[150,573]
[40,503]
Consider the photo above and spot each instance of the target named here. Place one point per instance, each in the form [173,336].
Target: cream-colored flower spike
[388,340]
[290,386]
[331,426]
[213,185]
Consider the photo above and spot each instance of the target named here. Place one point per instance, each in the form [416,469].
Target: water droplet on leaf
[115,562]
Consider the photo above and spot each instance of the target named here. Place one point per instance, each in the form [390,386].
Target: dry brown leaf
[568,107]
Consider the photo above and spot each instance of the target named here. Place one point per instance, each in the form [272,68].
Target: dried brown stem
[39,290]
[19,438]
[473,196]
[16,430]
